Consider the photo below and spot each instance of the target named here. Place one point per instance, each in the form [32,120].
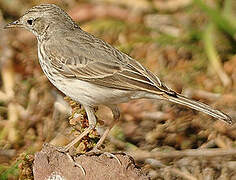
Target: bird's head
[40,18]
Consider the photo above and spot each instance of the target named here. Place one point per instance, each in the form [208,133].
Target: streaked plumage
[89,70]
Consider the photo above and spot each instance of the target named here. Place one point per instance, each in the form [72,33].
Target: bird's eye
[30,21]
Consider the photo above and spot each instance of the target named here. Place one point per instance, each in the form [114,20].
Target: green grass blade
[218,18]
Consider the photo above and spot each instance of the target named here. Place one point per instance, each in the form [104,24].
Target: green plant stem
[219,18]
[213,55]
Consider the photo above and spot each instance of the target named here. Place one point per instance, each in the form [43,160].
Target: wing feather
[101,64]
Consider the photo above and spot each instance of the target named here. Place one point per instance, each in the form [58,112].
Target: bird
[92,72]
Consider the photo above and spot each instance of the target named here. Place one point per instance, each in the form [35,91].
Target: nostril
[11,25]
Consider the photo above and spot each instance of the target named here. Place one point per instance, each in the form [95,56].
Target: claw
[61,149]
[97,151]
[113,156]
[76,164]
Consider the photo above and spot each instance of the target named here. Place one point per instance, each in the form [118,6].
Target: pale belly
[90,94]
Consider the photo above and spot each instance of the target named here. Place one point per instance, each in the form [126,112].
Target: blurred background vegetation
[189,44]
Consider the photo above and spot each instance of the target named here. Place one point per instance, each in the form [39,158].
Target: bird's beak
[13,24]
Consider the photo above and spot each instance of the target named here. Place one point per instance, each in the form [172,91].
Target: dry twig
[142,155]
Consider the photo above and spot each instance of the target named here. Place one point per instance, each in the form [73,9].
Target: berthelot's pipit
[92,72]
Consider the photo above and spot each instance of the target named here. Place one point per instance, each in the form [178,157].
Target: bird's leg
[102,139]
[92,123]
[116,116]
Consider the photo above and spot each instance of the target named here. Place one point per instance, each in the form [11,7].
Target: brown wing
[93,60]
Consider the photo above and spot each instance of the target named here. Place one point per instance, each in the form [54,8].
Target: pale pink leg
[92,123]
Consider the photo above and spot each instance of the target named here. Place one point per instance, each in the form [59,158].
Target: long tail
[179,99]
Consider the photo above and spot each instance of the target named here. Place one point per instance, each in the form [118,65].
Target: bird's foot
[66,152]
[96,151]
[76,164]
[62,149]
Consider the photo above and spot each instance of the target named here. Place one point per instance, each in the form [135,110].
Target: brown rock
[49,164]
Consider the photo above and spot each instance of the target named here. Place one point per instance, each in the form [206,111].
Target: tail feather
[179,99]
